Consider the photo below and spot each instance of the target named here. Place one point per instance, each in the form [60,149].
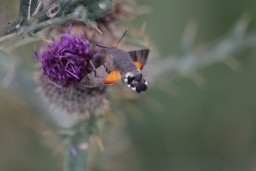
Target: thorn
[51,132]
[146,43]
[198,79]
[233,64]
[189,34]
[142,29]
[98,30]
[93,25]
[60,148]
[109,116]
[100,144]
[242,25]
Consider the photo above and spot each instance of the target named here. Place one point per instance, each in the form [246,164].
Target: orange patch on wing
[138,65]
[113,77]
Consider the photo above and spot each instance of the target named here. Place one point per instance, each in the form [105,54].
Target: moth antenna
[121,37]
[101,46]
[96,50]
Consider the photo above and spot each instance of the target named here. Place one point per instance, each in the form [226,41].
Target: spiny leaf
[35,6]
[94,10]
[99,9]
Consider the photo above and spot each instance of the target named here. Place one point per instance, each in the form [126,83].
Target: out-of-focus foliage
[179,127]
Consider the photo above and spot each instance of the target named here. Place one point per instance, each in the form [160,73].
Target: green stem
[48,23]
[76,153]
[77,150]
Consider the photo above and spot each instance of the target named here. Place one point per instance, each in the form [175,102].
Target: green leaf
[94,9]
[91,12]
[35,7]
[98,9]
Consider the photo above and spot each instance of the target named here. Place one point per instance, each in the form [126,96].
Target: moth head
[112,49]
[136,81]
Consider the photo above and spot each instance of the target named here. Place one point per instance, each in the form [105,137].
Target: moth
[126,65]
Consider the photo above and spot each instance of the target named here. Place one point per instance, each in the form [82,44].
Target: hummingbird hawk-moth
[127,65]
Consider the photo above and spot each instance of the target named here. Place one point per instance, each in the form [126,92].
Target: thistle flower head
[66,61]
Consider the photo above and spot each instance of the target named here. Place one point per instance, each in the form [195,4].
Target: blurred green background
[210,128]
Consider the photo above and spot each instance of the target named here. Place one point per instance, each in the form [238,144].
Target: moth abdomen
[140,86]
[137,82]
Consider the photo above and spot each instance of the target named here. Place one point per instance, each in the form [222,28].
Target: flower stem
[77,150]
[76,153]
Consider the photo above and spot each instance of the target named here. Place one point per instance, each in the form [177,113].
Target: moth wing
[139,57]
[101,76]
[138,65]
[112,77]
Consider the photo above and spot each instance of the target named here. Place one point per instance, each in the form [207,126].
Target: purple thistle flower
[66,61]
